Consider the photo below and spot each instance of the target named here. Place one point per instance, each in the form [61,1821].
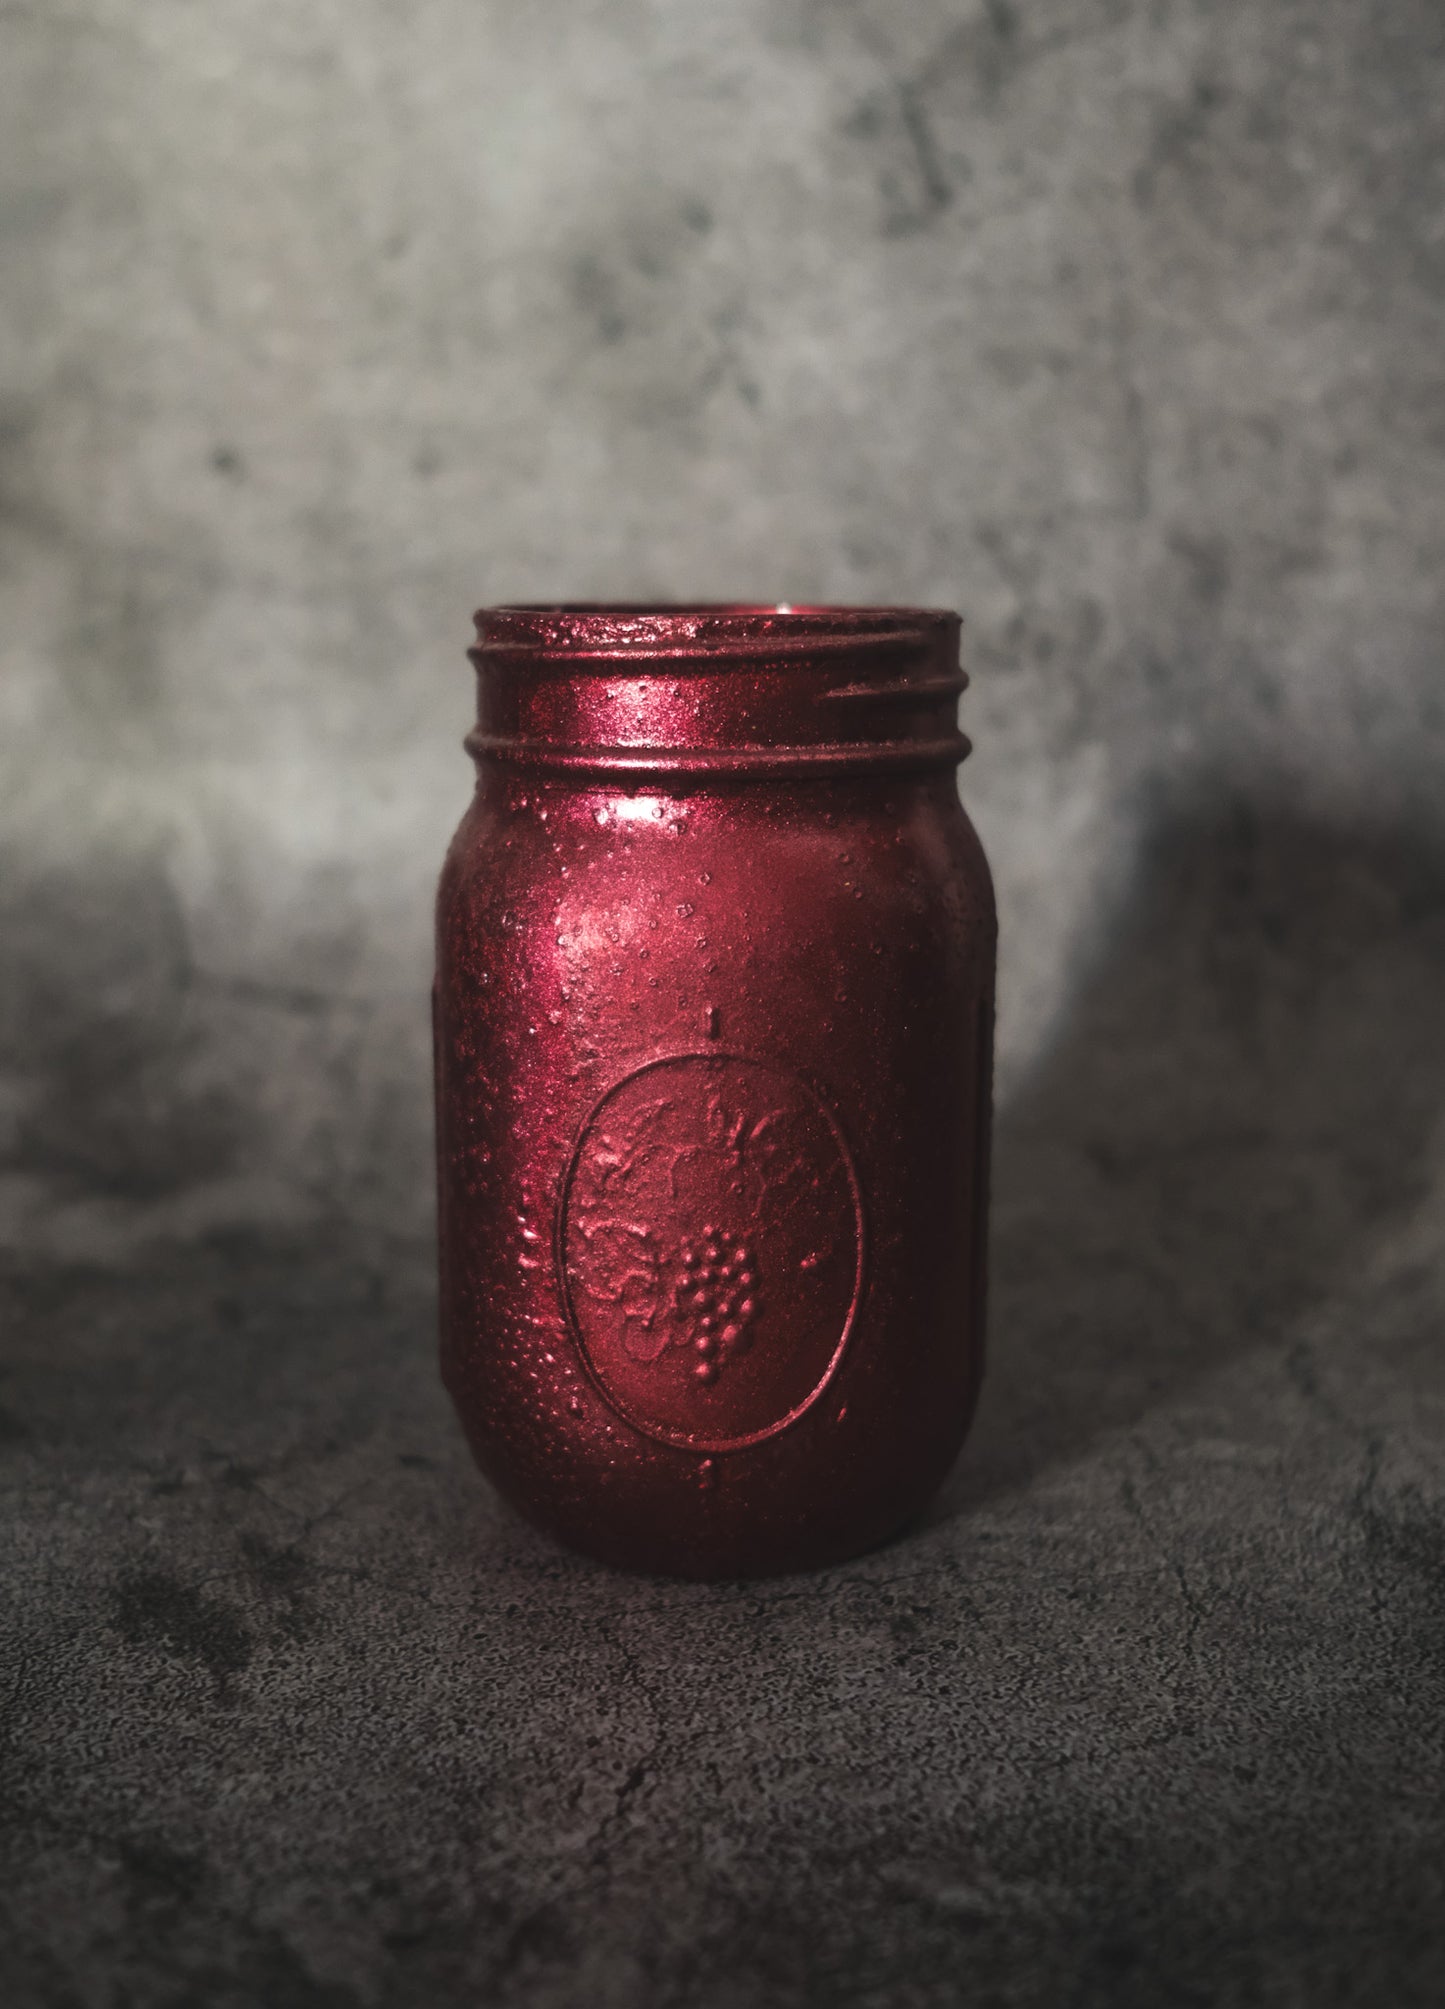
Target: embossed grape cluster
[717,1298]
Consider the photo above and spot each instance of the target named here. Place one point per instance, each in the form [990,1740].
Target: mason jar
[713,1011]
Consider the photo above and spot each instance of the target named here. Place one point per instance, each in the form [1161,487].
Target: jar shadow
[1239,1108]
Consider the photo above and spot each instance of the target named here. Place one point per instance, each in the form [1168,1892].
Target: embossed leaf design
[725,1123]
[702,1177]
[777,1145]
[705,1225]
[620,1155]
[622,1269]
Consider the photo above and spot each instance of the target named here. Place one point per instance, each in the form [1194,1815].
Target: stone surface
[1117,325]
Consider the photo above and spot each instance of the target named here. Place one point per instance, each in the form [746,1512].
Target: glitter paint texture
[714,1001]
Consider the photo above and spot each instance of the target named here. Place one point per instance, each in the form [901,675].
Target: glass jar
[714,999]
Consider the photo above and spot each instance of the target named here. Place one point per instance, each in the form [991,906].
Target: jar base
[738,1560]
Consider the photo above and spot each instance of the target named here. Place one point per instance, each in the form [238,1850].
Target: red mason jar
[715,953]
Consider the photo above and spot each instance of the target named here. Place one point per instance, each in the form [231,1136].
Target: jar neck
[717,690]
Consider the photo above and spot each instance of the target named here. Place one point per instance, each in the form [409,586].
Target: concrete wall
[1115,323]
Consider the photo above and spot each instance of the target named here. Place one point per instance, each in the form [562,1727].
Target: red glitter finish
[715,949]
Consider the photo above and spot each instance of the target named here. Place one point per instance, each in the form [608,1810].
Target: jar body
[713,1061]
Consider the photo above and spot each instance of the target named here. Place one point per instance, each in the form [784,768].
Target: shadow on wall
[1241,1105]
[147,1101]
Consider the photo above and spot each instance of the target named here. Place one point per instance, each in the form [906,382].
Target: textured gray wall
[1118,324]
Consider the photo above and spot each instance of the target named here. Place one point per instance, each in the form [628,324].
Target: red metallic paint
[715,951]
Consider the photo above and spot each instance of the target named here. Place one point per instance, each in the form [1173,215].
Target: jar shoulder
[708,888]
[500,842]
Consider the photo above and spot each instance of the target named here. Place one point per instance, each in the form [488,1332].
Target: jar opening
[705,628]
[722,688]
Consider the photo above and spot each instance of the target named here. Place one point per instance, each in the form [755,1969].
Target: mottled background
[1118,324]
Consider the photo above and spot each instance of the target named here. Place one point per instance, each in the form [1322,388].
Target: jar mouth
[720,689]
[704,628]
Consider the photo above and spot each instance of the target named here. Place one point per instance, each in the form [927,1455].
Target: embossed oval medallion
[710,1238]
